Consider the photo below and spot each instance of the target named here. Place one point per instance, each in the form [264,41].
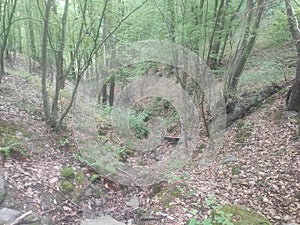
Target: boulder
[104,220]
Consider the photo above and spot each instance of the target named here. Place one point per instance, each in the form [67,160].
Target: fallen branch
[20,218]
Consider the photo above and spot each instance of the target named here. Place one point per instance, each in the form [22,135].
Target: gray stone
[229,159]
[8,215]
[134,202]
[88,213]
[2,190]
[46,221]
[105,220]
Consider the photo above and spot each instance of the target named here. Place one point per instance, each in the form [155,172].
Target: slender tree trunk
[294,99]
[44,62]
[112,79]
[60,76]
[31,38]
[6,26]
[215,40]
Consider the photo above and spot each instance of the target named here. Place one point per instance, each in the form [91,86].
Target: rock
[46,221]
[105,220]
[290,114]
[134,202]
[9,215]
[88,214]
[2,190]
[229,159]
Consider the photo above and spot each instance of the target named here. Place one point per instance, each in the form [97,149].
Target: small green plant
[64,142]
[122,152]
[235,171]
[94,177]
[10,143]
[193,221]
[218,216]
[138,124]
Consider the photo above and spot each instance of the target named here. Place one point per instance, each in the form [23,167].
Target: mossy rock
[12,139]
[166,195]
[66,186]
[68,173]
[241,216]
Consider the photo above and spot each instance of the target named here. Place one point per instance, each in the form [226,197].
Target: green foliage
[64,142]
[94,177]
[227,214]
[278,26]
[244,216]
[193,221]
[11,143]
[137,123]
[201,147]
[218,216]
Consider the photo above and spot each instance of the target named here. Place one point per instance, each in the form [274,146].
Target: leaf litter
[266,177]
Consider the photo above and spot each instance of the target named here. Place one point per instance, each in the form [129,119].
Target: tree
[294,95]
[7,10]
[73,48]
[253,15]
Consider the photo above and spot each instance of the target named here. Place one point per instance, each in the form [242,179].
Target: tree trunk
[60,76]
[244,47]
[294,99]
[6,26]
[44,64]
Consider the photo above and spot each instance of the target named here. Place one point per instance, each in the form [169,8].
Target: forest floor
[264,175]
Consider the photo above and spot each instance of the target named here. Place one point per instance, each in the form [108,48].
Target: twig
[20,218]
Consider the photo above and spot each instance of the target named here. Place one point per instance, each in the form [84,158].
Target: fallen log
[238,108]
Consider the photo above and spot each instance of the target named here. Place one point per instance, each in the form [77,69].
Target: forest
[149,112]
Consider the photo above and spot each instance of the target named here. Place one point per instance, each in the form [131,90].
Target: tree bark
[245,46]
[44,64]
[294,99]
[6,26]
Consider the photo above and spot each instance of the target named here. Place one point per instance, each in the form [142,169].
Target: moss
[241,216]
[79,177]
[11,140]
[68,173]
[235,171]
[66,186]
[244,131]
[167,196]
